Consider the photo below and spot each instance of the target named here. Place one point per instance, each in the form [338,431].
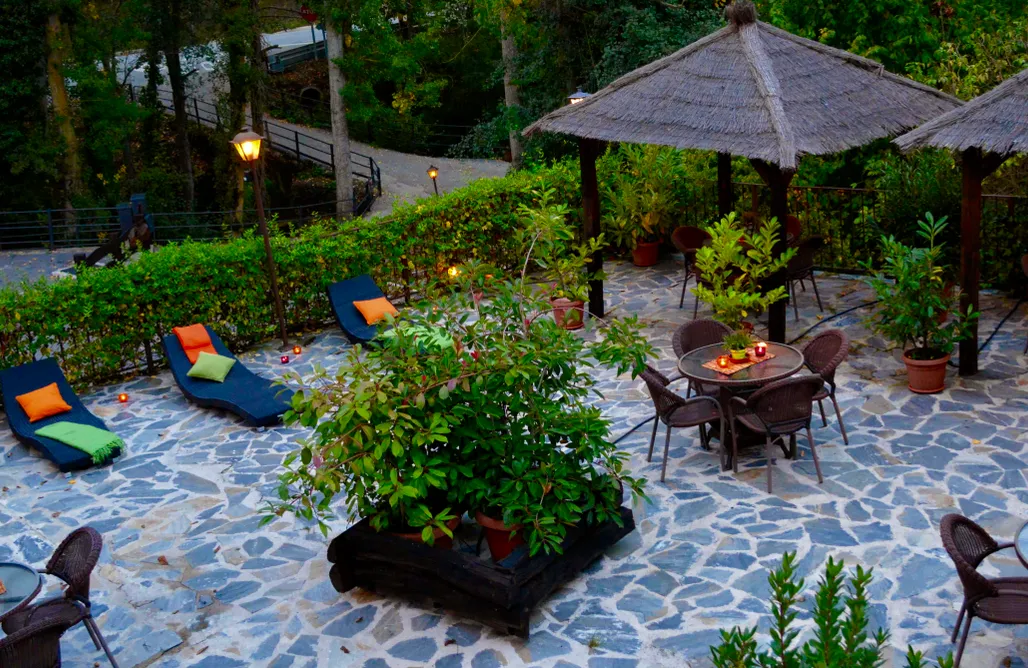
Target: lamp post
[578,96]
[248,145]
[433,173]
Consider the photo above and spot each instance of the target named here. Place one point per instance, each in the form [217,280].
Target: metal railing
[288,141]
[288,58]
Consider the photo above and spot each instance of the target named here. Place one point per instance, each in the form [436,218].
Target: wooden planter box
[501,596]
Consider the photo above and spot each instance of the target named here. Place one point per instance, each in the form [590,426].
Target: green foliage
[839,616]
[733,267]
[738,340]
[914,301]
[640,198]
[496,418]
[548,240]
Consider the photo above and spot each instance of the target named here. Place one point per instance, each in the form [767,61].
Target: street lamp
[248,145]
[578,96]
[433,173]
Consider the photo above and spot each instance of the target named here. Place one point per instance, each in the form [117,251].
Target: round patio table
[22,583]
[787,361]
[1021,544]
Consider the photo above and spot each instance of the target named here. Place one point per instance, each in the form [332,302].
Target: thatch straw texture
[751,89]
[996,122]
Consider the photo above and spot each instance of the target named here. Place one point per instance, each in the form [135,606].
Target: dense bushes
[99,324]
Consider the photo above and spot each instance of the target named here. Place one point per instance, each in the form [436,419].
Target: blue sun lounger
[342,295]
[32,376]
[255,399]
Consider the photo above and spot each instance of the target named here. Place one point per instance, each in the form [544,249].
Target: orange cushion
[194,340]
[374,310]
[43,403]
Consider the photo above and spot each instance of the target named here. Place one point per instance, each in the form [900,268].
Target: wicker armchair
[801,268]
[822,355]
[72,562]
[996,600]
[777,410]
[696,334]
[37,645]
[676,411]
[688,240]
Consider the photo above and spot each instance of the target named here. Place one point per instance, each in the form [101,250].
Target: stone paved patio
[188,579]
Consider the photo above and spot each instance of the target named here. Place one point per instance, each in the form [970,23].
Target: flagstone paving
[187,578]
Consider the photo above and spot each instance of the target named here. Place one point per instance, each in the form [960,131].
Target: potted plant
[736,344]
[640,201]
[733,268]
[914,299]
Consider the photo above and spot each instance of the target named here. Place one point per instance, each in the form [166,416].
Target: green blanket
[95,442]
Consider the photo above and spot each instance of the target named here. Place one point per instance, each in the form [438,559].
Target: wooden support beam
[778,181]
[588,150]
[725,199]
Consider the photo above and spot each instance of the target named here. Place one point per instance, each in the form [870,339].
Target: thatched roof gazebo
[987,130]
[752,90]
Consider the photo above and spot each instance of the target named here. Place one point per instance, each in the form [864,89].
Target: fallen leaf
[217,549]
[162,560]
[201,650]
[449,641]
[359,620]
[56,514]
[345,651]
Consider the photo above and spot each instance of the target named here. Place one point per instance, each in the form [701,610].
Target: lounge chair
[255,399]
[342,295]
[32,376]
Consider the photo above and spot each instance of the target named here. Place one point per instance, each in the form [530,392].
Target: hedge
[101,324]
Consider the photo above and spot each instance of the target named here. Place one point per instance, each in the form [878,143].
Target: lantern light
[123,398]
[285,359]
[297,350]
[453,272]
[578,96]
[248,145]
[433,172]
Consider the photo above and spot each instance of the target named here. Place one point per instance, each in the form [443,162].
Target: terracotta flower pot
[645,254]
[926,376]
[569,314]
[498,535]
[442,541]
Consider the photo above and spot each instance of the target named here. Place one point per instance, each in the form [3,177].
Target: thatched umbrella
[748,89]
[987,130]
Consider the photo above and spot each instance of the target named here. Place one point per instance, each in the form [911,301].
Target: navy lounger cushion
[255,399]
[342,295]
[32,376]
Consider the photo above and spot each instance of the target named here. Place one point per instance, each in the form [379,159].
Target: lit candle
[722,361]
[123,398]
[297,350]
[760,349]
[454,272]
[285,359]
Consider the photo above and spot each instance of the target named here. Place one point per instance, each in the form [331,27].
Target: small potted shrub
[734,265]
[914,304]
[736,344]
[640,202]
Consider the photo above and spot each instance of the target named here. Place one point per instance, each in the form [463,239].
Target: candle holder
[760,349]
[722,362]
[297,350]
[123,398]
[284,359]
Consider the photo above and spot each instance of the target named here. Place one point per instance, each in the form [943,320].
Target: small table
[786,362]
[1021,544]
[23,583]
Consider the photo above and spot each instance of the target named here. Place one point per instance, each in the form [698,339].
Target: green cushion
[211,367]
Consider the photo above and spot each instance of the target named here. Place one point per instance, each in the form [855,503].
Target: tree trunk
[511,94]
[56,47]
[340,131]
[150,98]
[178,96]
[238,85]
[258,92]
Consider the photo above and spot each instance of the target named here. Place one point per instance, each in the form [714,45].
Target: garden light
[123,398]
[578,96]
[248,145]
[433,173]
[453,272]
[297,350]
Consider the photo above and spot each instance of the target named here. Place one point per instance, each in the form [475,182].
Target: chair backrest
[1024,264]
[967,544]
[37,645]
[698,333]
[74,559]
[687,239]
[664,400]
[825,352]
[806,249]
[793,227]
[785,404]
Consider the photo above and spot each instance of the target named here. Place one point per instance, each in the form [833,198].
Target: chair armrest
[738,402]
[1013,592]
[704,397]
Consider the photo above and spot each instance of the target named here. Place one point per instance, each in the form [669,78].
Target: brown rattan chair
[996,600]
[37,645]
[777,410]
[688,240]
[823,354]
[676,411]
[1024,268]
[72,562]
[801,268]
[696,334]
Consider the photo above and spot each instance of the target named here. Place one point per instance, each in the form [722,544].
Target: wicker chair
[696,334]
[801,268]
[37,645]
[823,354]
[688,240]
[793,228]
[676,411]
[1024,268]
[777,410]
[996,600]
[72,562]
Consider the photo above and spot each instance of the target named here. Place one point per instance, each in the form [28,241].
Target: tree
[57,44]
[340,130]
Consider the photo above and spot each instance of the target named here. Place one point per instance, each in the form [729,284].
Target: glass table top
[20,581]
[786,361]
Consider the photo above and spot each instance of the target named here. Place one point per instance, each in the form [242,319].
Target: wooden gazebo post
[588,150]
[725,203]
[778,181]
